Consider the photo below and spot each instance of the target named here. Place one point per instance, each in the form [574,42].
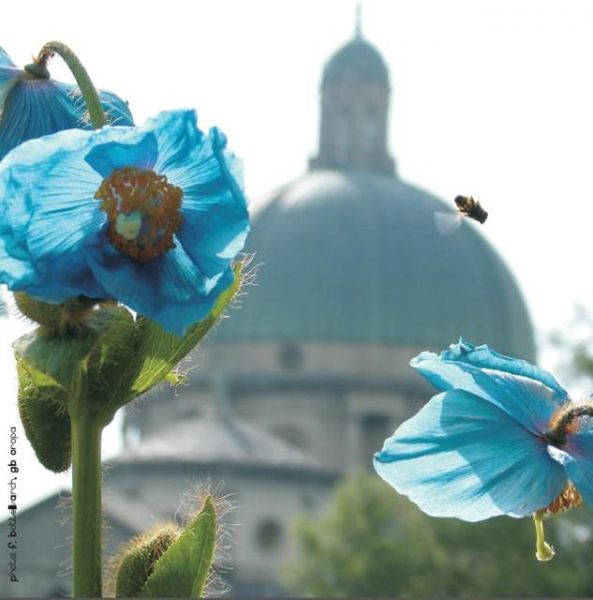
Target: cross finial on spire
[358,28]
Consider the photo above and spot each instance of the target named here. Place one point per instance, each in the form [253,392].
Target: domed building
[310,373]
[352,280]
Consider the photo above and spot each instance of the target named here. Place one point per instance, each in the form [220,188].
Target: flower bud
[135,562]
[32,105]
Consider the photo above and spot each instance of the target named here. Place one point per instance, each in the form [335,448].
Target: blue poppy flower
[152,216]
[34,105]
[503,438]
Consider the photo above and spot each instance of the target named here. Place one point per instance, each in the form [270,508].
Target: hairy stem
[86,504]
[88,90]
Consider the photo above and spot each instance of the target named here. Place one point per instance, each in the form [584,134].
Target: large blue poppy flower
[152,216]
[503,438]
[32,106]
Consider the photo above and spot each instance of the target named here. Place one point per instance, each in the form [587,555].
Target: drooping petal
[9,75]
[485,358]
[117,111]
[170,289]
[463,457]
[529,401]
[5,60]
[38,107]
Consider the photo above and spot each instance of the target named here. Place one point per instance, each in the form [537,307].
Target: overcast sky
[490,98]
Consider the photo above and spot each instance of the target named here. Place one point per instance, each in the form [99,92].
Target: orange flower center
[143,212]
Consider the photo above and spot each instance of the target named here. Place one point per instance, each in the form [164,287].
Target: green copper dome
[357,59]
[357,258]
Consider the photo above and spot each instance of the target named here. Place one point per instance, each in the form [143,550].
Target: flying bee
[470,207]
[467,206]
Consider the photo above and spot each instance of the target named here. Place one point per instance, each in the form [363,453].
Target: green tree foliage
[371,542]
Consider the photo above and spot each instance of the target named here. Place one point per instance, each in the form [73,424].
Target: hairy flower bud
[137,559]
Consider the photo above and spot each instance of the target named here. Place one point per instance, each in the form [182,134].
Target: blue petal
[33,108]
[49,205]
[38,107]
[14,270]
[178,138]
[173,316]
[116,110]
[17,269]
[8,76]
[5,60]
[463,457]
[485,358]
[530,402]
[53,188]
[170,289]
[108,157]
[214,208]
[159,143]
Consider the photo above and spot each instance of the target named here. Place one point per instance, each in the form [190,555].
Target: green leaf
[45,420]
[69,316]
[58,356]
[112,365]
[182,570]
[161,351]
[38,378]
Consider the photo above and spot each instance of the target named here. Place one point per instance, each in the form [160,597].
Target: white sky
[490,98]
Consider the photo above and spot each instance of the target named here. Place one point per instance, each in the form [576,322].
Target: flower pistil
[543,550]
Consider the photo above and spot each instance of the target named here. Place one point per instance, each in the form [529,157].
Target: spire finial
[358,27]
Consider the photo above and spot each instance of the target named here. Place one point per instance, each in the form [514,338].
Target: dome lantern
[354,110]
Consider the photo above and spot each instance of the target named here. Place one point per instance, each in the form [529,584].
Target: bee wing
[447,222]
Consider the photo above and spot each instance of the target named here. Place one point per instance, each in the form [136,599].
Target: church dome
[356,257]
[350,253]
[357,59]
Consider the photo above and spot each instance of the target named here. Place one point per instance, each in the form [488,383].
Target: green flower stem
[86,503]
[88,90]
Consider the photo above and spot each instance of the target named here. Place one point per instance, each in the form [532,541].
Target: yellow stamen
[569,498]
[132,196]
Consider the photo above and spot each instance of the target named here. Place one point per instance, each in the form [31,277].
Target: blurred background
[357,124]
